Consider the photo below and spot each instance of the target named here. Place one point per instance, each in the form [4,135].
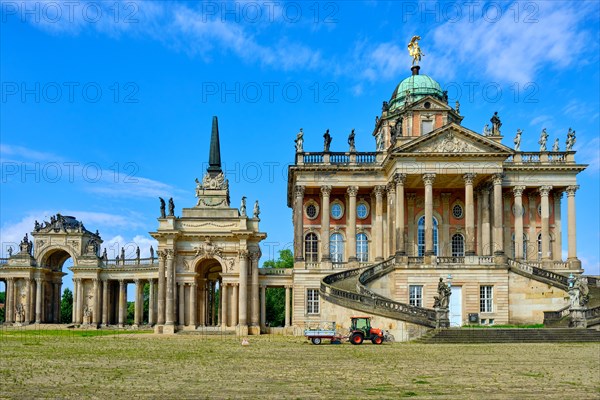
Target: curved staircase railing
[539,274]
[366,300]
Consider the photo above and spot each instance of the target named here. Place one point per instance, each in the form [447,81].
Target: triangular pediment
[453,139]
[433,104]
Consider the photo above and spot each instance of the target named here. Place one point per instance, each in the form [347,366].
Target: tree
[275,297]
[3,302]
[66,307]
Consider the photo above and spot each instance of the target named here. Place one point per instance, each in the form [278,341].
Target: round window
[311,211]
[457,211]
[362,210]
[336,210]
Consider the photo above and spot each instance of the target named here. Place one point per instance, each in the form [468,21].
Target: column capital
[532,196]
[558,194]
[379,190]
[544,190]
[518,190]
[170,253]
[325,190]
[391,188]
[243,254]
[429,178]
[411,197]
[161,254]
[484,189]
[497,178]
[571,190]
[299,190]
[352,191]
[469,178]
[446,197]
[399,178]
[137,281]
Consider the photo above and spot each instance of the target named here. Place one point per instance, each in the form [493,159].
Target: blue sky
[106,106]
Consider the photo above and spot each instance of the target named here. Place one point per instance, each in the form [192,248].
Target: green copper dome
[419,87]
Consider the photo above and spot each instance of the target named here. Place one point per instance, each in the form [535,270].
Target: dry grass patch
[186,366]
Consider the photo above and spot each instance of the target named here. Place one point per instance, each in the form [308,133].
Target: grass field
[89,364]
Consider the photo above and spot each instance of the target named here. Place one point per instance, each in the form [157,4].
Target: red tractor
[360,329]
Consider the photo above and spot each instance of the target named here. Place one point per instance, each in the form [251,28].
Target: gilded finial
[414,50]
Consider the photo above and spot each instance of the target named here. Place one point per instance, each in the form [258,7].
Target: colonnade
[485,237]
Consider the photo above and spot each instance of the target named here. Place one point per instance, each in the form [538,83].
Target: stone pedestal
[442,319]
[242,330]
[578,318]
[254,330]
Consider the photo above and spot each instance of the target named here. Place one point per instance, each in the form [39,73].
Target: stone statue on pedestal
[171,207]
[486,130]
[555,145]
[496,124]
[578,292]
[570,139]
[243,207]
[9,251]
[256,211]
[442,300]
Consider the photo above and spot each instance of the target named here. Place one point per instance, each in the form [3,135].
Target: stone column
[325,192]
[137,309]
[498,237]
[80,286]
[75,291]
[428,179]
[225,304]
[571,224]
[263,306]
[287,305]
[26,307]
[544,192]
[122,302]
[506,201]
[181,307]
[10,291]
[170,293]
[469,214]
[203,303]
[254,319]
[518,213]
[399,231]
[151,300]
[410,205]
[445,246]
[234,302]
[485,222]
[391,220]
[351,223]
[57,294]
[193,306]
[532,248]
[96,311]
[379,190]
[105,302]
[557,226]
[299,223]
[243,295]
[478,222]
[162,289]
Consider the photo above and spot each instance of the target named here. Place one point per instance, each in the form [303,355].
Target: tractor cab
[360,329]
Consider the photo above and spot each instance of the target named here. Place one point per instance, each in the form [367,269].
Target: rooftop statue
[517,140]
[414,50]
[243,207]
[486,130]
[543,140]
[256,211]
[555,146]
[326,141]
[299,141]
[171,207]
[351,141]
[496,124]
[570,139]
[162,207]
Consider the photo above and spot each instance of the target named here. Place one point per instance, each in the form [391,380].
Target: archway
[50,286]
[209,294]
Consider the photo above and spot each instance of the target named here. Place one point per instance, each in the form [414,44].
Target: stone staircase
[507,335]
[347,289]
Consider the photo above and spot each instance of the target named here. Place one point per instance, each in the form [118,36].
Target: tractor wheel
[377,340]
[356,338]
[316,340]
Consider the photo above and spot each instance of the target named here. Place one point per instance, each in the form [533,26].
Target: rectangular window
[426,127]
[415,295]
[485,299]
[312,301]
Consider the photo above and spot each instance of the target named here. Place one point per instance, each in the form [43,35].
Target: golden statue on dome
[414,50]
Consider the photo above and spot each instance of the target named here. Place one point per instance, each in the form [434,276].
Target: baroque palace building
[374,233]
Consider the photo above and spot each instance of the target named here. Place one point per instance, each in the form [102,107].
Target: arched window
[421,236]
[458,245]
[524,246]
[311,247]
[362,247]
[336,247]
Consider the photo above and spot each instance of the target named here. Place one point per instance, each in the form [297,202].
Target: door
[456,306]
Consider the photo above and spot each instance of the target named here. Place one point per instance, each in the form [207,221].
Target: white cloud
[20,153]
[588,152]
[115,244]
